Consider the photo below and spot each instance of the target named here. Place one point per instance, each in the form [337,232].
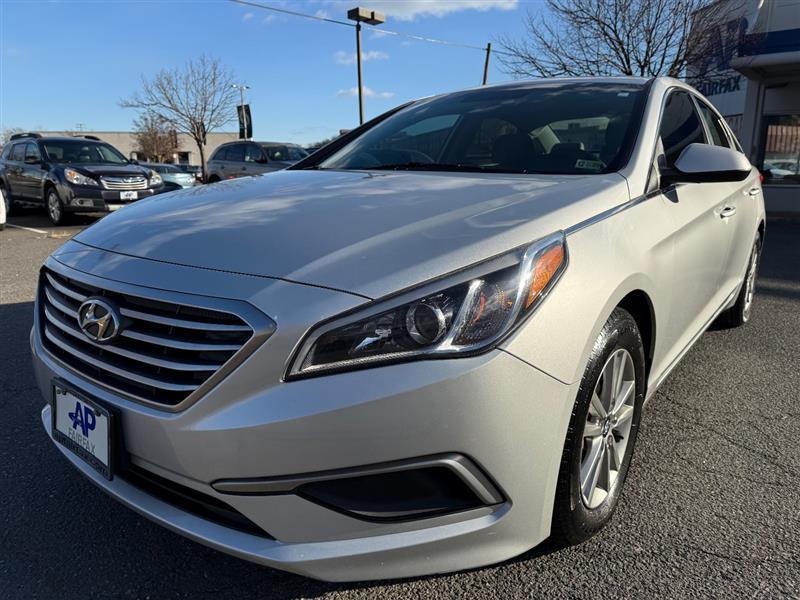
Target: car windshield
[82,151]
[553,127]
[285,152]
[164,168]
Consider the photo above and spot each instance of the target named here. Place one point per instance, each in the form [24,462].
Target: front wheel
[602,432]
[55,209]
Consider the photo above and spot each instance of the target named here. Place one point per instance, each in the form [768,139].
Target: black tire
[54,206]
[7,199]
[574,521]
[739,314]
[213,179]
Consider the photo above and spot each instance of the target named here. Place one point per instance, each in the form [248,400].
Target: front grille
[125,183]
[165,350]
[190,500]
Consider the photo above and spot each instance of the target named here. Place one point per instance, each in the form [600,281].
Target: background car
[194,170]
[243,159]
[173,176]
[71,175]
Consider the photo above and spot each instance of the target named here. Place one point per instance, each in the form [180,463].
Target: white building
[749,67]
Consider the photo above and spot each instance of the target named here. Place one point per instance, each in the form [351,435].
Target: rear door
[234,161]
[255,161]
[741,198]
[700,237]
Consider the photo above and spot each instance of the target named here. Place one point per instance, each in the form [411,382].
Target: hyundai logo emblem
[99,320]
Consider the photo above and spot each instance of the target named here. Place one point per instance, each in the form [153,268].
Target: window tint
[548,127]
[715,128]
[18,152]
[284,152]
[252,153]
[235,153]
[32,152]
[680,126]
[82,151]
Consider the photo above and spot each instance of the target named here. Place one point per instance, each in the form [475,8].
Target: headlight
[155,178]
[76,178]
[467,314]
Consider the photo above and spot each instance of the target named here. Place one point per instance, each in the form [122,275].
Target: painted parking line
[27,228]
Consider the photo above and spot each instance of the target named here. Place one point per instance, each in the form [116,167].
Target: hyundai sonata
[424,348]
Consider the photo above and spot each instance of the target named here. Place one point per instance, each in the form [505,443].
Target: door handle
[726,212]
[754,192]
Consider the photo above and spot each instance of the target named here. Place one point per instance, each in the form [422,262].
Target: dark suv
[245,158]
[71,175]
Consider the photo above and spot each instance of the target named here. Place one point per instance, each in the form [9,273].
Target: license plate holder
[83,426]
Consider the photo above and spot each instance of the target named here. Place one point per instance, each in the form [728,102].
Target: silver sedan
[424,348]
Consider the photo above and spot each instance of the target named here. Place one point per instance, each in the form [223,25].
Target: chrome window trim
[263,328]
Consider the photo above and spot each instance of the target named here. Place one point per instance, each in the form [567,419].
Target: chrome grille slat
[165,350]
[118,183]
[56,338]
[154,360]
[177,344]
[182,323]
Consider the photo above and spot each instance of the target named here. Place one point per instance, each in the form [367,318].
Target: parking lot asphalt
[710,507]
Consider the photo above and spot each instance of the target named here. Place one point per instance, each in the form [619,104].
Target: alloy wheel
[54,207]
[607,429]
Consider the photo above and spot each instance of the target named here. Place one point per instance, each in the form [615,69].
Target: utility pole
[370,17]
[486,63]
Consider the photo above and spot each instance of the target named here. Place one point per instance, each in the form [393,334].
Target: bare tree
[6,133]
[644,38]
[155,137]
[196,99]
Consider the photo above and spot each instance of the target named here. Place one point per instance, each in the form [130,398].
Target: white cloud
[322,14]
[246,17]
[349,58]
[268,19]
[408,10]
[368,93]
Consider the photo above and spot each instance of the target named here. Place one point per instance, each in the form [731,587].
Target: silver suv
[243,159]
[424,348]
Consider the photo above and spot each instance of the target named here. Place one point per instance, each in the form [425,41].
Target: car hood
[101,170]
[362,232]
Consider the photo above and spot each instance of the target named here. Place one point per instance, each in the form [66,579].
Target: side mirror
[703,163]
[133,161]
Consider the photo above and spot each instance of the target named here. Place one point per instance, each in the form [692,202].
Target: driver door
[700,239]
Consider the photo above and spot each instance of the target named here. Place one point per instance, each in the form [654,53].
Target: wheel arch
[638,303]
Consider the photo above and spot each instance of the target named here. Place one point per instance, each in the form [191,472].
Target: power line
[383,31]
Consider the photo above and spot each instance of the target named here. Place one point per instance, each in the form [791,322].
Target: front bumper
[506,416]
[96,199]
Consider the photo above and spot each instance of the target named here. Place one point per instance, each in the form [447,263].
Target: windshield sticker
[594,165]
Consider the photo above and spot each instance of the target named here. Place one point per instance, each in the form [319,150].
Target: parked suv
[71,175]
[242,159]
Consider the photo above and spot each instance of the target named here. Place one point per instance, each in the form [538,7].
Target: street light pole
[486,63]
[360,82]
[370,17]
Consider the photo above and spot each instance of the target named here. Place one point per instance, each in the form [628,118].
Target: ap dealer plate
[84,427]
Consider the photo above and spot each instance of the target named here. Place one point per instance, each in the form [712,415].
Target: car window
[32,152]
[680,126]
[18,152]
[281,152]
[235,153]
[715,128]
[553,127]
[83,151]
[252,153]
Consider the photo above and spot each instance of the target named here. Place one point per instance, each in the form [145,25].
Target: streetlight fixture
[243,115]
[370,17]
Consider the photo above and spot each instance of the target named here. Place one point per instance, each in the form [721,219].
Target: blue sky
[70,62]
